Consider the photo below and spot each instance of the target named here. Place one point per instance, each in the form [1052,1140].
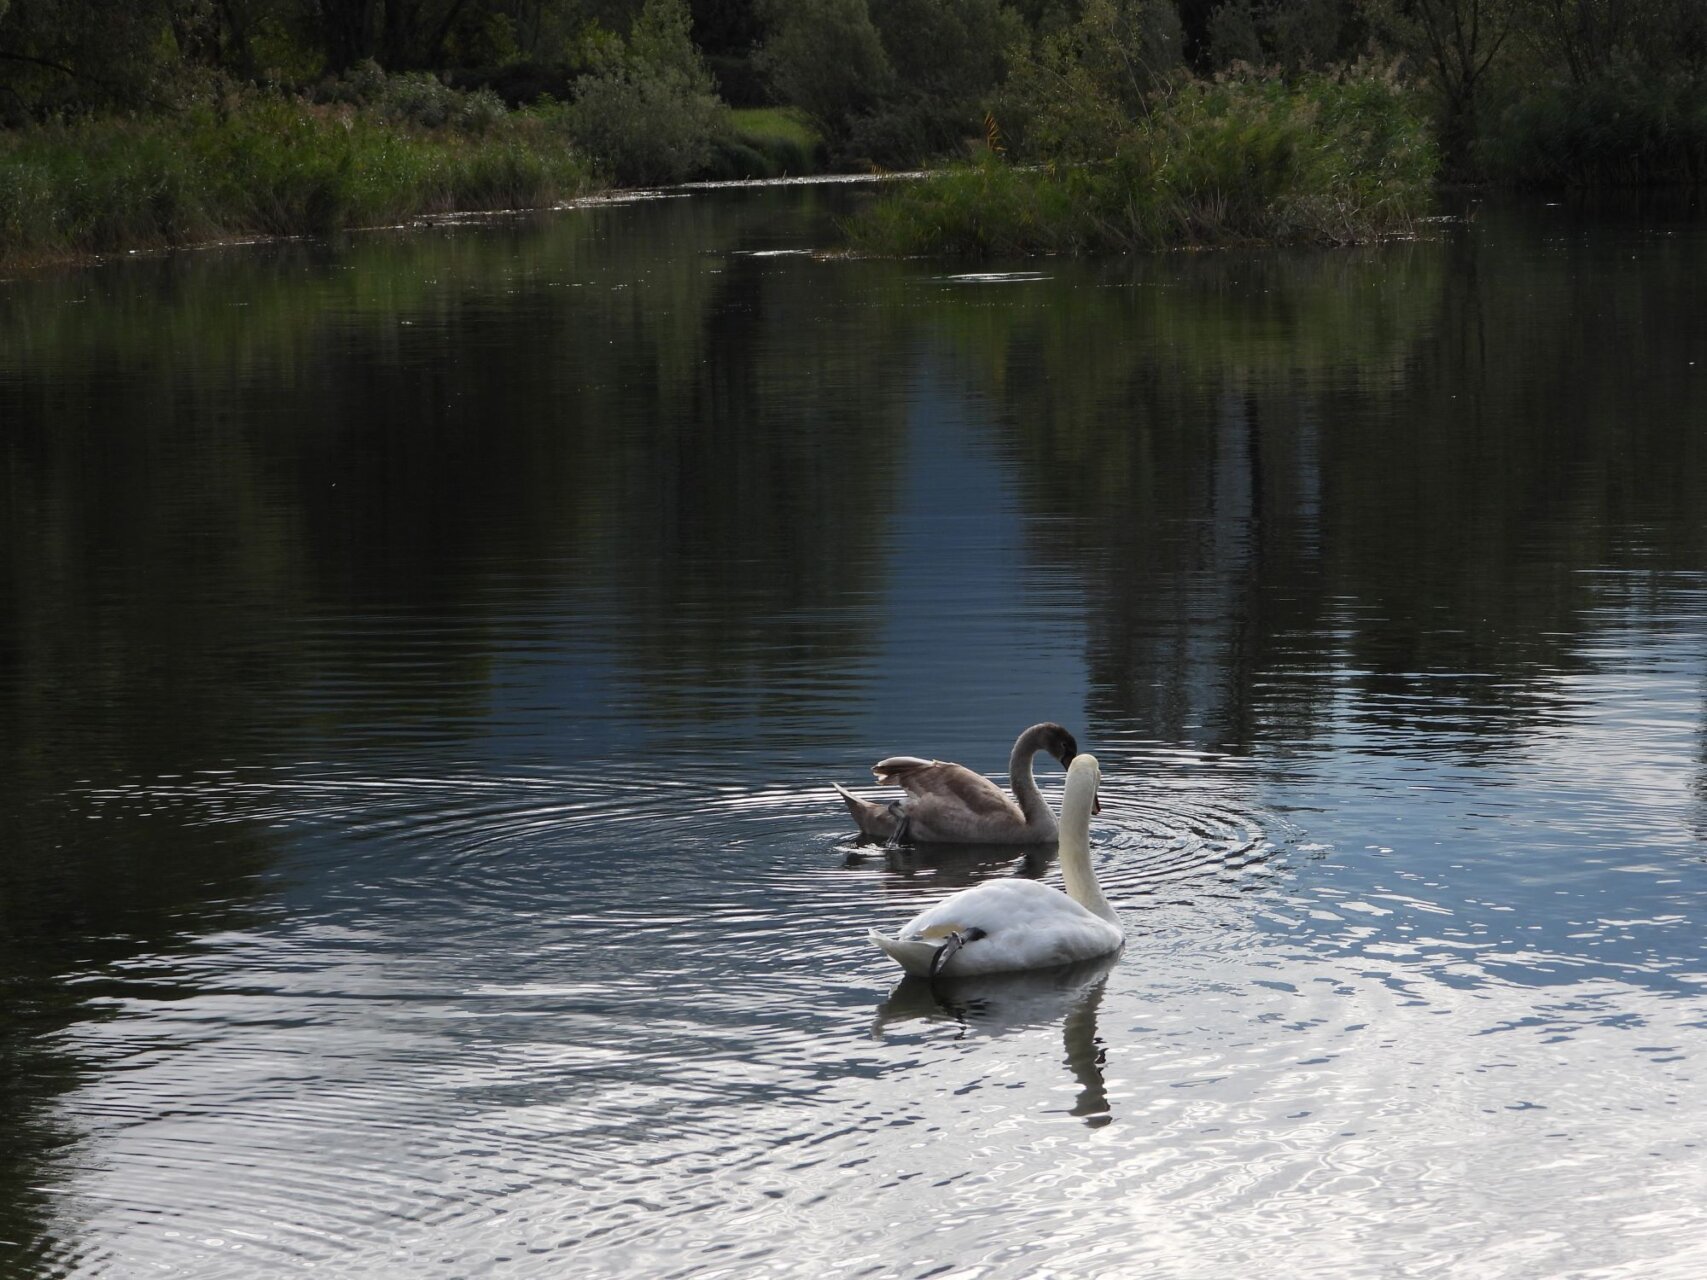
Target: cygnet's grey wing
[934,783]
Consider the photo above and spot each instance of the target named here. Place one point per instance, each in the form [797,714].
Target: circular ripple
[1175,836]
[1185,838]
[506,974]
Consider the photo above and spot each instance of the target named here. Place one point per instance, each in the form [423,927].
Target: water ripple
[515,1015]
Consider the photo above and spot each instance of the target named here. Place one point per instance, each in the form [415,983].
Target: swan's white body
[950,804]
[1004,925]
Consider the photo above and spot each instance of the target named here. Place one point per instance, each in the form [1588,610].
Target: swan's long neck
[1075,844]
[1031,801]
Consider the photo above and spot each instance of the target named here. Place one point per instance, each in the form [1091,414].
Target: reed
[766,142]
[269,165]
[1617,129]
[1243,160]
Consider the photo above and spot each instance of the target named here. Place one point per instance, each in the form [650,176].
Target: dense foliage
[1209,102]
[1325,159]
[268,166]
[649,112]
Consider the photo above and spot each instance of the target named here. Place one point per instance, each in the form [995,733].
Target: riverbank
[1331,160]
[281,166]
[273,167]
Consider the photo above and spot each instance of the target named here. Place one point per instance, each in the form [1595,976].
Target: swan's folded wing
[912,955]
[947,783]
[1021,924]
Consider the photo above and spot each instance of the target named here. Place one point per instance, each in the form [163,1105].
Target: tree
[825,57]
[953,51]
[73,55]
[650,113]
[724,27]
[399,34]
[1455,43]
[1294,35]
[1081,88]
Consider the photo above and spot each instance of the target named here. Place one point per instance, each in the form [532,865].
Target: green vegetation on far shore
[1101,124]
[271,166]
[228,158]
[276,166]
[772,142]
[1324,160]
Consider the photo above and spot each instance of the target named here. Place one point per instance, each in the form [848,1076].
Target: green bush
[649,115]
[765,142]
[1251,159]
[890,82]
[273,165]
[416,98]
[479,111]
[1619,129]
[826,59]
[948,57]
[986,209]
[643,129]
[1075,95]
[909,131]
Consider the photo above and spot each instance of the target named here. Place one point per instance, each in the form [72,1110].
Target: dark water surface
[423,660]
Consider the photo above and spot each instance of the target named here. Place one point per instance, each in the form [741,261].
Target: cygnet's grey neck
[1031,802]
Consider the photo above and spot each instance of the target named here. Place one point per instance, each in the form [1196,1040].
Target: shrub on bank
[766,142]
[650,113]
[642,130]
[985,209]
[268,165]
[1619,129]
[1244,159]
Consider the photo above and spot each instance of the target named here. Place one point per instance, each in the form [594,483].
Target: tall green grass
[271,166]
[1619,129]
[1330,160]
[766,142]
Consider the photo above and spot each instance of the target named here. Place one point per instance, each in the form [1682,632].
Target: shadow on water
[255,510]
[1006,1003]
[84,896]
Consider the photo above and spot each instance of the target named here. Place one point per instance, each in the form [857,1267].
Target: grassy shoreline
[1327,160]
[1253,161]
[274,167]
[280,167]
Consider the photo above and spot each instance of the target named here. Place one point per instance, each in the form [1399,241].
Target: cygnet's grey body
[949,804]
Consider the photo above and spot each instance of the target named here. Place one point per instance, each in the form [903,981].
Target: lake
[427,655]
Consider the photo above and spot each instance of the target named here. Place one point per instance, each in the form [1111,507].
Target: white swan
[1003,925]
[949,804]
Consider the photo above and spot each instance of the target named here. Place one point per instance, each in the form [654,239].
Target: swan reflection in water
[999,1003]
[952,865]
